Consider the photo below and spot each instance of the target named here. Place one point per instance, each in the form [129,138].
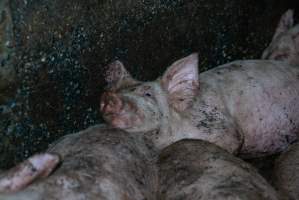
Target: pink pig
[248,107]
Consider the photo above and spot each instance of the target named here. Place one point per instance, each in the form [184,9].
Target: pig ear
[117,76]
[286,22]
[295,34]
[181,82]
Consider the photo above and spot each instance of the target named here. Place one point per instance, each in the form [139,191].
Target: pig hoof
[37,166]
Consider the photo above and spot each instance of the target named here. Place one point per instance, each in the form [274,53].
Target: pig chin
[123,121]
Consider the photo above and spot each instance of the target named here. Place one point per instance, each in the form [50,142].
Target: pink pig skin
[249,107]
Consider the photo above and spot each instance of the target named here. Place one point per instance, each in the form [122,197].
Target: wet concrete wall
[61,49]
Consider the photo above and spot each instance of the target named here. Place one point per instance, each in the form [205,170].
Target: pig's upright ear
[181,82]
[118,77]
[286,22]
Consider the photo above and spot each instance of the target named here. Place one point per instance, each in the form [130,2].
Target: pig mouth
[120,112]
[126,117]
[122,120]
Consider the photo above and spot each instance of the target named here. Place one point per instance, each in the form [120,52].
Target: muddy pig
[196,169]
[249,107]
[98,163]
[286,177]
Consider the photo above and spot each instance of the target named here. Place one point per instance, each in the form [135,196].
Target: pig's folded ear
[181,82]
[286,22]
[117,76]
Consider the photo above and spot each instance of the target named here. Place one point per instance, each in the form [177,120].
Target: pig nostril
[116,101]
[110,103]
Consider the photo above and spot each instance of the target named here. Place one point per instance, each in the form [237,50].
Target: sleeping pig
[249,107]
[109,164]
[97,163]
[196,169]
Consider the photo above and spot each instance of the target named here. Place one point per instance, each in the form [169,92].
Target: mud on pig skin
[286,177]
[248,107]
[98,163]
[196,169]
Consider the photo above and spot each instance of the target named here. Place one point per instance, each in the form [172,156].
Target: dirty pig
[196,169]
[248,107]
[96,163]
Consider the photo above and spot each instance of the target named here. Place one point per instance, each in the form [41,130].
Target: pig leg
[40,165]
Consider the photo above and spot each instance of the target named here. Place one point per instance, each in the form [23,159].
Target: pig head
[141,107]
[285,42]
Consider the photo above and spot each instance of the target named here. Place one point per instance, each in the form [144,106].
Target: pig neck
[173,126]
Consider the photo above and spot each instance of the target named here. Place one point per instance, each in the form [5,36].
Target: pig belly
[262,97]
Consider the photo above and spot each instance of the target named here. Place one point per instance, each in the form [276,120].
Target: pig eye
[148,94]
[147,91]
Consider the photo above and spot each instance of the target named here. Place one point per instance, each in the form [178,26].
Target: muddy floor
[56,52]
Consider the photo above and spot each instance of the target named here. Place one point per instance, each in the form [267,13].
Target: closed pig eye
[148,94]
[147,91]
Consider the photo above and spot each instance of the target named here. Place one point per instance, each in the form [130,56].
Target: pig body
[258,98]
[104,163]
[98,163]
[248,107]
[195,169]
[286,178]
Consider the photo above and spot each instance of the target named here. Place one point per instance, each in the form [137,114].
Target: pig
[248,107]
[286,177]
[195,169]
[37,166]
[97,163]
[285,42]
[107,163]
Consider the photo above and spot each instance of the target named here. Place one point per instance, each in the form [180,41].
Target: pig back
[195,169]
[262,99]
[98,163]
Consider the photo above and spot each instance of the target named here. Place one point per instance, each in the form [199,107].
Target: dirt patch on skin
[62,48]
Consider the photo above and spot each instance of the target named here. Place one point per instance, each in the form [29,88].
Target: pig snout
[111,103]
[119,112]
